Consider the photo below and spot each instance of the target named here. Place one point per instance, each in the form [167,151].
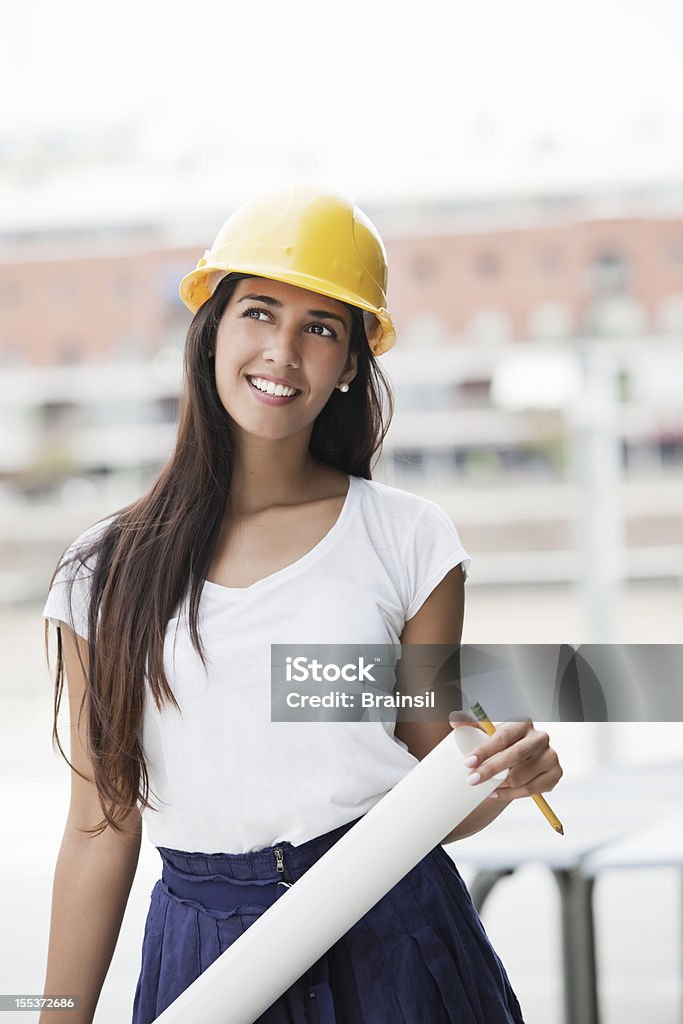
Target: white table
[657,846]
[623,817]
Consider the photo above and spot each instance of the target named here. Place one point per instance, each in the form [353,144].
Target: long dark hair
[142,561]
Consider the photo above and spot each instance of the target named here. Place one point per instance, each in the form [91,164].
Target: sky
[382,96]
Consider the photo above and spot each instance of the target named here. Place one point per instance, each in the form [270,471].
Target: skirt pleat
[421,955]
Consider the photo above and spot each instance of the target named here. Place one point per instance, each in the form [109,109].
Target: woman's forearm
[92,882]
[481,816]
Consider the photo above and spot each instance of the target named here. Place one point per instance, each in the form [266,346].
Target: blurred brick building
[110,294]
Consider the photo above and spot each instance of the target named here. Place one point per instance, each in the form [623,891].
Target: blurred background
[524,165]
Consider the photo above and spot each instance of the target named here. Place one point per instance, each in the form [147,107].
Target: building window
[609,273]
[549,260]
[424,269]
[474,393]
[486,264]
[56,415]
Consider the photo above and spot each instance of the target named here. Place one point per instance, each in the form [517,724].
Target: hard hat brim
[199,285]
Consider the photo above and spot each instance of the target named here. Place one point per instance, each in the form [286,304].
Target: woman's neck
[279,478]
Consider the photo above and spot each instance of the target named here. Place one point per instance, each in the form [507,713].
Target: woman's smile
[272,394]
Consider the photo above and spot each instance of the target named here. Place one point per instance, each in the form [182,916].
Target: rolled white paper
[302,924]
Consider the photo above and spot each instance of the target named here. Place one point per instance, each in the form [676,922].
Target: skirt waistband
[213,878]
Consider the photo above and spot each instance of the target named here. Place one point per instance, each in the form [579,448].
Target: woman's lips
[271,399]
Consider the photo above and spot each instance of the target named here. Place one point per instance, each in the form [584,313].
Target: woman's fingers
[501,750]
[541,783]
[532,764]
[529,750]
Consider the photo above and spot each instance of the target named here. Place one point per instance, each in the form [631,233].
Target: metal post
[597,455]
[578,948]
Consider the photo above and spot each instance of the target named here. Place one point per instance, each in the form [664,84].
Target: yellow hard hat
[309,236]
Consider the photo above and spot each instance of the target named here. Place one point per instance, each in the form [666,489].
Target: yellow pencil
[488,726]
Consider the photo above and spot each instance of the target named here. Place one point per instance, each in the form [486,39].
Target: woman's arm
[440,621]
[93,876]
[533,764]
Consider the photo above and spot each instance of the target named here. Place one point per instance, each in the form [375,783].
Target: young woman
[266,527]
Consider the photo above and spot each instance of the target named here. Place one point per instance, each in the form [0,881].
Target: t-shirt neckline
[300,563]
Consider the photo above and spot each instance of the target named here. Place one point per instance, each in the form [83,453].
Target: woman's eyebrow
[270,301]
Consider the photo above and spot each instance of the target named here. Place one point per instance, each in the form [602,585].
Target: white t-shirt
[224,776]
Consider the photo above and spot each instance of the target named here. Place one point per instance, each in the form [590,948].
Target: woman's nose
[283,345]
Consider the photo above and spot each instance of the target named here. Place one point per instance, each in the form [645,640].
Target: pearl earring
[343,387]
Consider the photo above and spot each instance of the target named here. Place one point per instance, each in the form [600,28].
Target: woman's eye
[254,309]
[332,333]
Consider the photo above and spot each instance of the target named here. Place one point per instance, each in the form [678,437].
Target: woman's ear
[351,367]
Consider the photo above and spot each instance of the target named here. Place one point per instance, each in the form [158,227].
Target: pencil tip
[559,829]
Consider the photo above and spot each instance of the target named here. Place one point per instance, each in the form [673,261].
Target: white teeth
[270,388]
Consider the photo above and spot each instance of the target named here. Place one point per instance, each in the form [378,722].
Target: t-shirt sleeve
[70,605]
[434,549]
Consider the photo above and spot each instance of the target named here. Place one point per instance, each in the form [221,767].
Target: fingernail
[494,795]
[471,761]
[472,780]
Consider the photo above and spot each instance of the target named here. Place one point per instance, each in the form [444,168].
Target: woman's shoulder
[79,547]
[396,500]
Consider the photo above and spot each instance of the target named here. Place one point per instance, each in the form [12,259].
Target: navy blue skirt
[419,956]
